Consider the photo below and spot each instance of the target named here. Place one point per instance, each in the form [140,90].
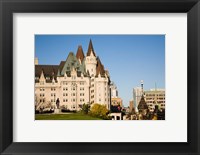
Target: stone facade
[78,80]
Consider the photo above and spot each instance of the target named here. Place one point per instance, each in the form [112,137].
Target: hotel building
[77,80]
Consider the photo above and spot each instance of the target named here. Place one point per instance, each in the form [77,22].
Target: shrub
[98,110]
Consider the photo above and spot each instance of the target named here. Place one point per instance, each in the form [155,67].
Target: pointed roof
[100,68]
[90,49]
[80,54]
[142,104]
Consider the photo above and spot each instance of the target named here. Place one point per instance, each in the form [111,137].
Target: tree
[98,110]
[85,109]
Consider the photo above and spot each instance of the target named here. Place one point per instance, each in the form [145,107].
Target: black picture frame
[8,7]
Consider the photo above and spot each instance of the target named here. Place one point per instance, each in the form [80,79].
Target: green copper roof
[73,62]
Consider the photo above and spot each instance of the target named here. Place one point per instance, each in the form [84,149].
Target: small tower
[79,54]
[36,61]
[142,106]
[142,85]
[91,61]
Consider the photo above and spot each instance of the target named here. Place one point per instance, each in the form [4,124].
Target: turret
[79,54]
[91,61]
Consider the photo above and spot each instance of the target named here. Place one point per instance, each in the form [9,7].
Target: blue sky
[129,58]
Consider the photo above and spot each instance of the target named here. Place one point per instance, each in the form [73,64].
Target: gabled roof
[61,65]
[90,49]
[80,54]
[70,63]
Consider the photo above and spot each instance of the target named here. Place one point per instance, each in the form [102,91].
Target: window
[82,99]
[41,95]
[81,88]
[81,83]
[64,83]
[63,100]
[42,89]
[81,94]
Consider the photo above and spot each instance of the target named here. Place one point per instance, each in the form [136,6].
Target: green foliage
[100,111]
[85,109]
[70,116]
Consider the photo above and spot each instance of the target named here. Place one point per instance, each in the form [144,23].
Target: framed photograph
[99,77]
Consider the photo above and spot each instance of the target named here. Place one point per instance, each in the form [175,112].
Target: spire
[100,67]
[155,87]
[142,104]
[90,49]
[142,84]
[80,54]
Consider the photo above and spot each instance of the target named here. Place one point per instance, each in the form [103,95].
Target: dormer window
[47,78]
